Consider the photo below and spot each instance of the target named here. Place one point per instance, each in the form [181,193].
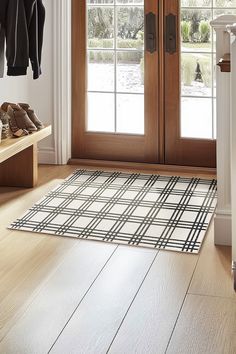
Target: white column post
[223,212]
[232,31]
[62,79]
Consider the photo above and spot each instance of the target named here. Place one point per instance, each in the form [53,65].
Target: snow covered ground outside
[196,113]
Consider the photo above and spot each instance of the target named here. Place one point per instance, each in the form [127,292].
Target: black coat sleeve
[2,49]
[36,27]
[3,11]
[17,39]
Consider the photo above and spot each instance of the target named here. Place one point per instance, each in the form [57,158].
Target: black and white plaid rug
[162,212]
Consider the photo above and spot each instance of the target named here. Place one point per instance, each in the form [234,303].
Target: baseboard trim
[223,228]
[47,156]
[146,167]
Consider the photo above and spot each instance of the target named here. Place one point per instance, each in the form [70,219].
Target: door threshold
[205,172]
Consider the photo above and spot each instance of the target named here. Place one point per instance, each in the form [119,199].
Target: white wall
[38,93]
[14,89]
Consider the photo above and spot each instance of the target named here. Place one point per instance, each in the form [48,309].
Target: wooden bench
[19,159]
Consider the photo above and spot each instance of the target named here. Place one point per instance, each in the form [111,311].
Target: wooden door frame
[181,151]
[95,146]
[171,149]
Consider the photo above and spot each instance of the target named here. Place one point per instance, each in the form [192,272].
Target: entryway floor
[74,296]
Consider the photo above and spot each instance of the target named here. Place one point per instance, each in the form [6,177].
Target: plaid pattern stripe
[163,212]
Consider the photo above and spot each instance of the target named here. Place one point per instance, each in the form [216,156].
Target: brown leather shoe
[5,105]
[31,114]
[16,132]
[18,118]
[12,121]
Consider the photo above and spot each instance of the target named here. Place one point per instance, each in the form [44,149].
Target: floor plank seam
[83,297]
[214,296]
[183,302]
[129,307]
[36,292]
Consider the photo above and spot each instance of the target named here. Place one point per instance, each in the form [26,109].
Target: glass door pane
[115,79]
[190,104]
[189,108]
[198,66]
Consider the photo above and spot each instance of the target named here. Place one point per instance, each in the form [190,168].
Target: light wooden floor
[71,296]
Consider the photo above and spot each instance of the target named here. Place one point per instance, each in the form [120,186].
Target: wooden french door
[115,82]
[127,84]
[190,130]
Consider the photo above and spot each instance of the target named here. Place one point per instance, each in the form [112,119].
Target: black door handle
[170,34]
[150,32]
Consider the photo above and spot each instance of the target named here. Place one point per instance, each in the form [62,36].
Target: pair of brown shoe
[22,119]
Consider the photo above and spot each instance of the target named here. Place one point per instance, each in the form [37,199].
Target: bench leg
[21,170]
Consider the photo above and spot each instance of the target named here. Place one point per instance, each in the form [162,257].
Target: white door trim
[62,79]
[223,230]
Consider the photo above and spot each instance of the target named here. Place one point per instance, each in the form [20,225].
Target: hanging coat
[2,40]
[23,24]
[3,8]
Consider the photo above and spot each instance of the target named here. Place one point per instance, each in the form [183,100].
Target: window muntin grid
[119,91]
[214,11]
[115,50]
